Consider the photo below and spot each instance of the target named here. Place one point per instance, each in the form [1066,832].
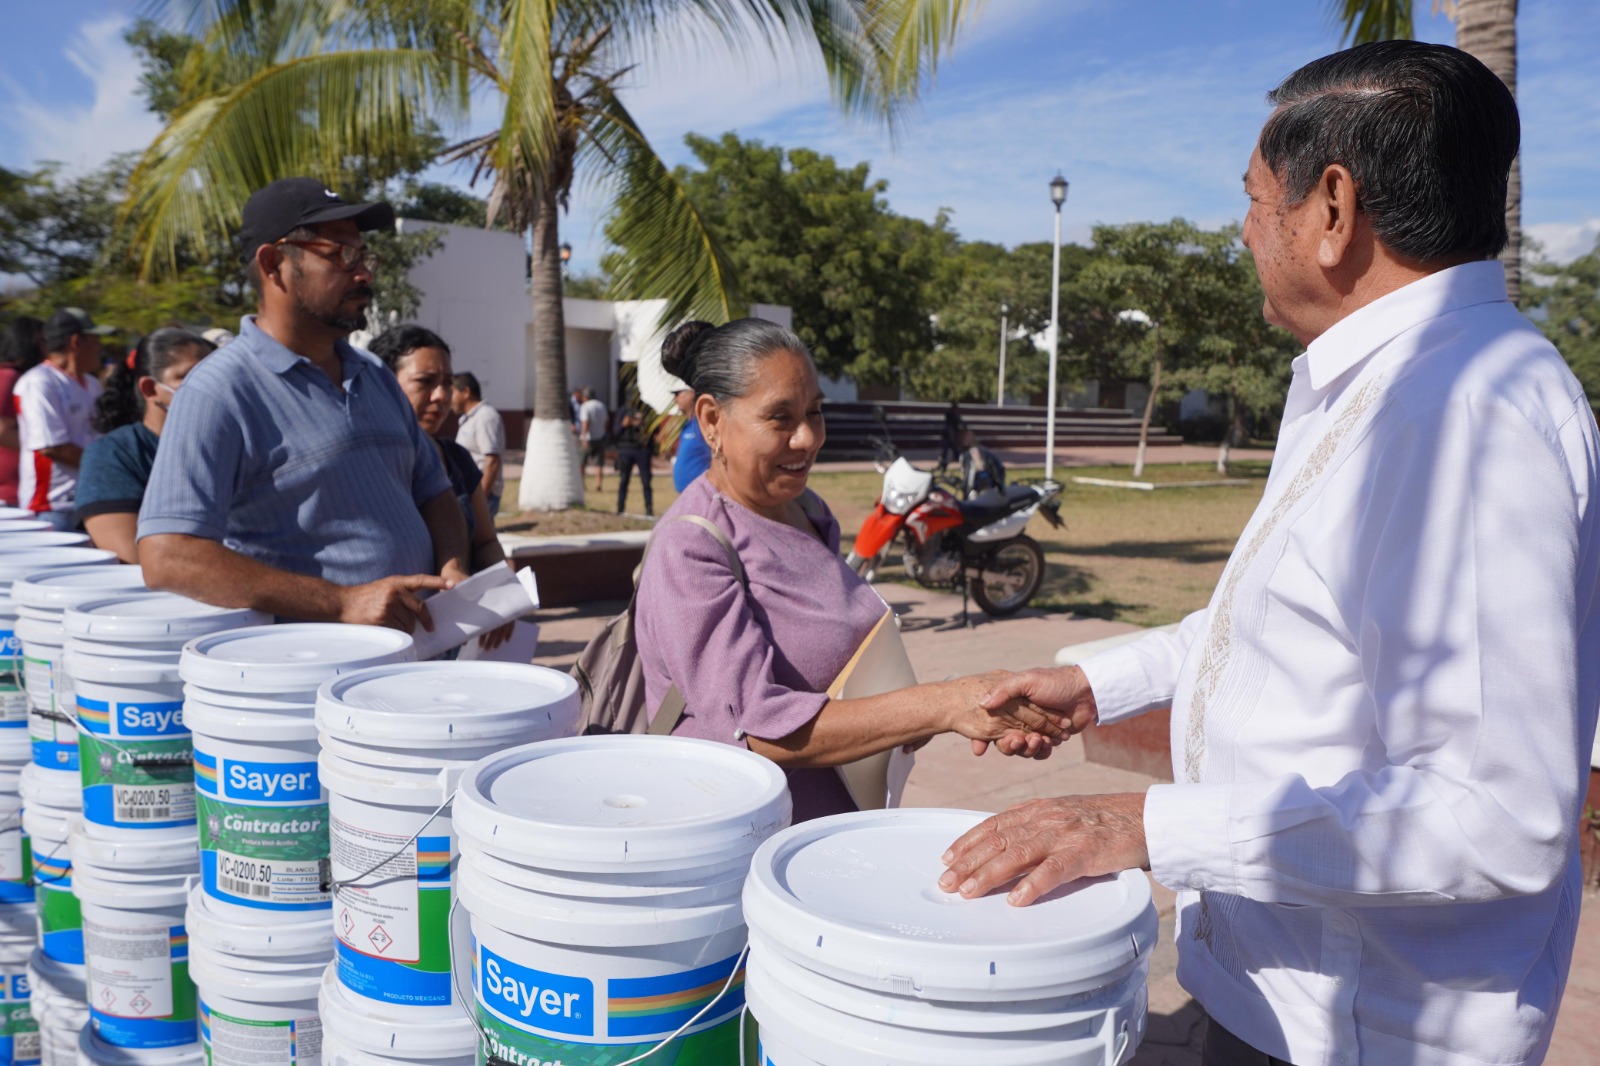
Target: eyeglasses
[347,256]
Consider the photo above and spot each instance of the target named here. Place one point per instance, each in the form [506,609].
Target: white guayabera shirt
[1382,722]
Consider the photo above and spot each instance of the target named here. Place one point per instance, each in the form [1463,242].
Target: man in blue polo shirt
[292,476]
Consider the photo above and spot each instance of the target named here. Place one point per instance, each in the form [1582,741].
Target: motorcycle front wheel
[1008,577]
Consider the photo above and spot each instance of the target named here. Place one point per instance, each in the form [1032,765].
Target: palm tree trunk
[1144,423]
[1488,29]
[551,476]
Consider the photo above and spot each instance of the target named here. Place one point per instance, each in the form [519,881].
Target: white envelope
[482,602]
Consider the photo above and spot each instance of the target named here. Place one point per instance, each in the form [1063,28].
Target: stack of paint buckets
[134,855]
[603,878]
[260,919]
[18,912]
[857,956]
[395,740]
[52,793]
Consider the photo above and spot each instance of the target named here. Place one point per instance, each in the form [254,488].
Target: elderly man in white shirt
[1381,724]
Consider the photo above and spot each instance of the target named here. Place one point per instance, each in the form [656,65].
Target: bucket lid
[24,525]
[133,852]
[164,616]
[16,512]
[300,655]
[446,703]
[45,538]
[283,935]
[14,566]
[43,787]
[856,897]
[71,585]
[621,801]
[433,1036]
[63,975]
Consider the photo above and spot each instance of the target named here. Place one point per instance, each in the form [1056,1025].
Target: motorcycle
[948,542]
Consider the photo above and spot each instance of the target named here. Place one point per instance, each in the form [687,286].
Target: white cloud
[1562,242]
[81,135]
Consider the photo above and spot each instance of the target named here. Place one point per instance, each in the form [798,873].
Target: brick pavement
[947,775]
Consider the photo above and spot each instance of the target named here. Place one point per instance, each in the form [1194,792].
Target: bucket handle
[330,884]
[1115,1019]
[491,1059]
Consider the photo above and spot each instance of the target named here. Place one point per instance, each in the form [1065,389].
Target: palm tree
[1488,30]
[304,86]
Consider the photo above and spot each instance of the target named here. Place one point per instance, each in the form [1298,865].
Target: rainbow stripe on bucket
[95,716]
[205,772]
[433,862]
[646,1006]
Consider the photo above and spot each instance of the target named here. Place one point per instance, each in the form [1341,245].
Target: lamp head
[566,252]
[1058,190]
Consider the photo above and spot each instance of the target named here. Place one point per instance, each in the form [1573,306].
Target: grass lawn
[1148,558]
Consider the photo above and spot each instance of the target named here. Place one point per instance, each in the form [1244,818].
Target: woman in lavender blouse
[753,666]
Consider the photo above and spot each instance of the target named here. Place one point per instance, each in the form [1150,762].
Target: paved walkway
[947,775]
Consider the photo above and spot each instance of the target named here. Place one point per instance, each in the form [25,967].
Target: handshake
[1026,713]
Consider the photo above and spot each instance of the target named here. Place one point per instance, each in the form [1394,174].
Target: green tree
[1569,300]
[1182,309]
[285,88]
[1485,28]
[797,229]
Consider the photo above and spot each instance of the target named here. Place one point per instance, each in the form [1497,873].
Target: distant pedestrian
[131,413]
[55,403]
[482,432]
[635,445]
[981,470]
[693,458]
[592,426]
[950,436]
[21,349]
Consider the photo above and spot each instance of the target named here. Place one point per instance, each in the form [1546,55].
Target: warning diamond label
[380,939]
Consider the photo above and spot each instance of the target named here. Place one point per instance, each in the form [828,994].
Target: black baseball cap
[68,323]
[273,212]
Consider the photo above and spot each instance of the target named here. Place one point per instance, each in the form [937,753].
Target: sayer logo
[149,719]
[533,999]
[278,781]
[19,988]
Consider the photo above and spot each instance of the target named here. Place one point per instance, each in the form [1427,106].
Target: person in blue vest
[693,456]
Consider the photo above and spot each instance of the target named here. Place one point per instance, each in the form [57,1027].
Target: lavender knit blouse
[756,662]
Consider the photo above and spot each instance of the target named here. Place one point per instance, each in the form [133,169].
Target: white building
[475,295]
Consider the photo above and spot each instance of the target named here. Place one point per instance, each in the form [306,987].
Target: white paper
[520,647]
[481,602]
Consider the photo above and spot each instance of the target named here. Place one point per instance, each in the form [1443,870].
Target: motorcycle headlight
[898,502]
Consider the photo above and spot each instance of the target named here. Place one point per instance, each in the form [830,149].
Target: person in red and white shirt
[55,402]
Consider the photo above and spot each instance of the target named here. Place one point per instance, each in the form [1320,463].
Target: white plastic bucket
[134,895]
[14,567]
[250,702]
[16,851]
[48,538]
[857,956]
[50,801]
[395,740]
[353,1035]
[41,599]
[93,1051]
[603,879]
[19,1041]
[251,1017]
[57,1002]
[136,757]
[23,525]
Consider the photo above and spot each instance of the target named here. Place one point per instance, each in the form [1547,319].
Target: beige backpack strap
[722,538]
[668,715]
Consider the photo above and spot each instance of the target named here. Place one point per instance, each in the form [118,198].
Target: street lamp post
[1058,196]
[1000,390]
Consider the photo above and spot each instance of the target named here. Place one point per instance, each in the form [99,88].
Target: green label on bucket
[137,784]
[60,919]
[274,858]
[231,1041]
[717,1046]
[528,1013]
[16,866]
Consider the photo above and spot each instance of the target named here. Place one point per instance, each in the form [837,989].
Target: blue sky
[1149,109]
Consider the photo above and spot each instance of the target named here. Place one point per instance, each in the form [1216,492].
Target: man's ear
[269,258]
[1336,198]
